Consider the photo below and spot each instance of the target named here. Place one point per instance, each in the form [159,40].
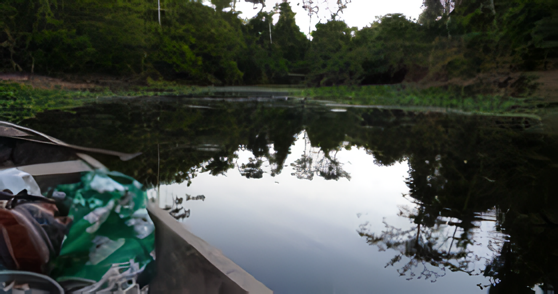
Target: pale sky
[359,13]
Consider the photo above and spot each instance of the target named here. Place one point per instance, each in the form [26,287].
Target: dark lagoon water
[316,198]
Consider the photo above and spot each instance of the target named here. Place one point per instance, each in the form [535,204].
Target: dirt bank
[548,85]
[45,82]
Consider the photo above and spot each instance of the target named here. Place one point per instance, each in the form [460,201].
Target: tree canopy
[198,44]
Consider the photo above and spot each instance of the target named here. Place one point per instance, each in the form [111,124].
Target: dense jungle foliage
[197,44]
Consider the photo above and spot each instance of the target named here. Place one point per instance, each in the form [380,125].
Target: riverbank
[23,95]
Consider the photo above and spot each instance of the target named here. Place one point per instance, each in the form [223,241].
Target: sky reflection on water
[300,236]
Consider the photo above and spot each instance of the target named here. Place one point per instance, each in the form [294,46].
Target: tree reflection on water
[426,247]
[315,161]
[463,171]
[470,172]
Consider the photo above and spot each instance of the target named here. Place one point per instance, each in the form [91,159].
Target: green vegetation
[454,97]
[196,44]
[22,101]
[18,101]
[466,55]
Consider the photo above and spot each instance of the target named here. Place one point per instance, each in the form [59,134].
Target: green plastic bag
[111,225]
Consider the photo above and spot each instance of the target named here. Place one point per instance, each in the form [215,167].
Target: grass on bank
[451,98]
[20,101]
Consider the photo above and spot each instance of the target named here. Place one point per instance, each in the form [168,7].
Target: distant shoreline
[545,82]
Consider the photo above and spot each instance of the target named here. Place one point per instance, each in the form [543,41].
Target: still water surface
[301,236]
[310,198]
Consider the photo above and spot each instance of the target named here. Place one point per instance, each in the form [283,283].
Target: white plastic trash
[16,180]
